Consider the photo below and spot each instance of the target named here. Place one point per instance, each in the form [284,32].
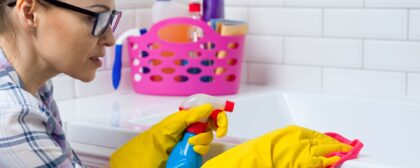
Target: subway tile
[414,24]
[324,52]
[291,78]
[63,87]
[393,3]
[267,49]
[244,73]
[392,55]
[265,2]
[414,85]
[285,21]
[126,22]
[254,2]
[143,18]
[102,84]
[325,3]
[236,2]
[364,83]
[236,13]
[366,23]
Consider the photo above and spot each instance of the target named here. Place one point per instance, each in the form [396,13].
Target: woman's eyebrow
[100,6]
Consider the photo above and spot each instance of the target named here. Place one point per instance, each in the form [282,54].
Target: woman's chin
[86,77]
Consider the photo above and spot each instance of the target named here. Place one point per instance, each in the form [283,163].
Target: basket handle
[208,31]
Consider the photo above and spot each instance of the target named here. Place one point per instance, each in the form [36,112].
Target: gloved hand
[290,147]
[152,148]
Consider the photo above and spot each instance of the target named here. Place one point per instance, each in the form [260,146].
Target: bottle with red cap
[183,154]
[195,13]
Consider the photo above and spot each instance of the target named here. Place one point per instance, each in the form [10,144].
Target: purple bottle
[213,9]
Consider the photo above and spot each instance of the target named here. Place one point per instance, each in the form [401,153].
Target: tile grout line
[408,24]
[363,53]
[406,84]
[323,23]
[322,79]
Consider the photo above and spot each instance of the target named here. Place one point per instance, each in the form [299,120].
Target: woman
[40,39]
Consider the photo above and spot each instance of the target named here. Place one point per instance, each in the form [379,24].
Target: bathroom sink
[388,128]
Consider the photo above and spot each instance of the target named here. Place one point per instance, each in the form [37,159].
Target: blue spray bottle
[183,154]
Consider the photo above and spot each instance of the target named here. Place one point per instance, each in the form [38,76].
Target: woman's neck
[31,68]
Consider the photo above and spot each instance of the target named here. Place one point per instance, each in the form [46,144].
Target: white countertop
[110,114]
[106,121]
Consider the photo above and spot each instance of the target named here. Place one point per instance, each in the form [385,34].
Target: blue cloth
[31,133]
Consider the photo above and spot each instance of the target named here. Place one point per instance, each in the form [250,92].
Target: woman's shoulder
[13,95]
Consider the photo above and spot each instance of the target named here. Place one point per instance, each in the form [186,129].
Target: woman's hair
[4,19]
[6,24]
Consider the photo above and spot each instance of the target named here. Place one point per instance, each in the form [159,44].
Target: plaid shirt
[31,133]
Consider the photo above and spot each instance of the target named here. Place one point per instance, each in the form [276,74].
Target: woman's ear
[27,13]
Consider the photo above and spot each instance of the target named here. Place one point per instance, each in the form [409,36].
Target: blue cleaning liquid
[183,155]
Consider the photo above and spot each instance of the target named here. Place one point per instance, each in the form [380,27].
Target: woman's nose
[108,38]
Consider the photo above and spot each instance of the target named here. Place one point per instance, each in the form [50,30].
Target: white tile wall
[414,24]
[63,87]
[102,84]
[361,82]
[392,55]
[366,23]
[268,49]
[263,2]
[296,78]
[358,47]
[126,21]
[325,3]
[143,18]
[413,85]
[324,52]
[285,21]
[393,3]
[237,13]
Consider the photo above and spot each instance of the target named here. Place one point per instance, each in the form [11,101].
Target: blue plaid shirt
[31,133]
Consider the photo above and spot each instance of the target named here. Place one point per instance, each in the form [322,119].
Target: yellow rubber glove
[290,147]
[152,147]
[202,141]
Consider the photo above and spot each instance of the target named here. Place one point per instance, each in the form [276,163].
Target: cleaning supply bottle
[164,9]
[195,13]
[183,154]
[213,9]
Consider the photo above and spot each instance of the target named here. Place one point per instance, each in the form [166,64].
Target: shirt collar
[44,93]
[7,69]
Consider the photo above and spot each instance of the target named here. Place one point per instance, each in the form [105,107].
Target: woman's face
[64,39]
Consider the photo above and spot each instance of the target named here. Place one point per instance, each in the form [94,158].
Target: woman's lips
[97,61]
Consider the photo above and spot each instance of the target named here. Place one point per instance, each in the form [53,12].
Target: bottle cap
[195,7]
[229,106]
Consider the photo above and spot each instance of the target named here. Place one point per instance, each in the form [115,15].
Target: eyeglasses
[101,20]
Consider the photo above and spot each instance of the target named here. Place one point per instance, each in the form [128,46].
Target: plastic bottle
[164,9]
[213,9]
[195,13]
[183,154]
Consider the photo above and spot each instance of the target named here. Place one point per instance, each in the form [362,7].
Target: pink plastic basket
[170,69]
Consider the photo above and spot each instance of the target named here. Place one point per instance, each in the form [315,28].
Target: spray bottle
[183,155]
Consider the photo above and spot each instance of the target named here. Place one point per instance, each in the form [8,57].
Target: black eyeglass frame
[86,12]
